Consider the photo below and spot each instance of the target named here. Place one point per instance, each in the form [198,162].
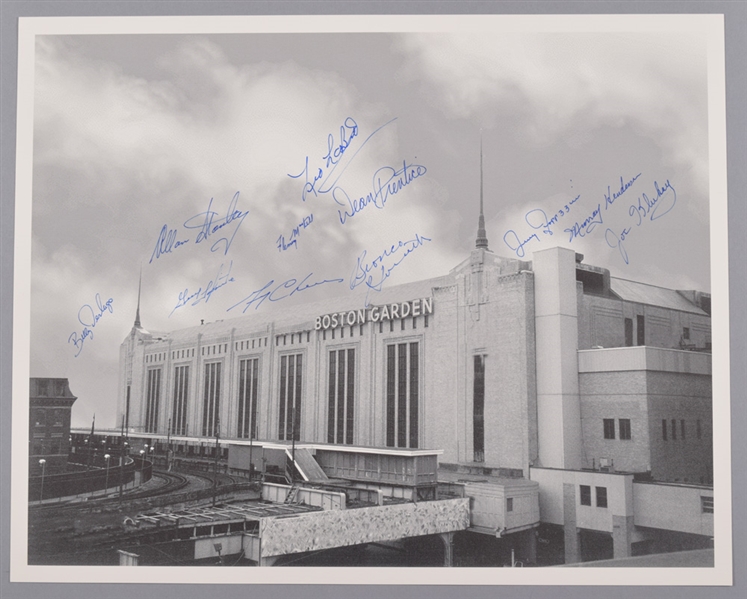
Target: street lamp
[106,484]
[43,464]
[142,464]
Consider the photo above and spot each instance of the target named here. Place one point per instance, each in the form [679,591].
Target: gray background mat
[736,90]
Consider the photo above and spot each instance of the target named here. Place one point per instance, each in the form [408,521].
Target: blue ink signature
[206,225]
[645,207]
[511,239]
[374,273]
[334,154]
[386,181]
[537,218]
[276,292]
[220,280]
[611,196]
[89,317]
[587,226]
[292,242]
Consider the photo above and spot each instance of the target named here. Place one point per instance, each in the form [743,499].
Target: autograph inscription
[89,317]
[208,227]
[275,292]
[203,294]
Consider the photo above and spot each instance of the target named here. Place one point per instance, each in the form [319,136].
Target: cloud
[118,157]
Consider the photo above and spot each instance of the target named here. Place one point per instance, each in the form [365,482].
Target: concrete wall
[672,507]
[554,507]
[327,500]
[488,506]
[680,397]
[323,530]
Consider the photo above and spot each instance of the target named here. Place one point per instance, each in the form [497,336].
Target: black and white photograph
[428,294]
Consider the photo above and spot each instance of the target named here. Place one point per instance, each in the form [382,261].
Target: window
[248,381]
[211,400]
[625,429]
[628,332]
[181,392]
[674,429]
[478,410]
[341,396]
[601,496]
[686,333]
[682,429]
[641,336]
[289,420]
[706,505]
[609,428]
[40,418]
[153,399]
[402,395]
[510,504]
[664,429]
[585,494]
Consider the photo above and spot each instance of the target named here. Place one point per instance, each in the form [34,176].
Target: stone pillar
[621,535]
[530,545]
[448,541]
[556,333]
[572,541]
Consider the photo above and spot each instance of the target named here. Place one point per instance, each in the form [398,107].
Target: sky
[139,138]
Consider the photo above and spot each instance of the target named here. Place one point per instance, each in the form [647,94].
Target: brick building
[50,402]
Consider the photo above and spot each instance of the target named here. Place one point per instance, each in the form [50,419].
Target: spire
[137,312]
[482,240]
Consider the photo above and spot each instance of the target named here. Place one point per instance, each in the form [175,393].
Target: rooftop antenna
[481,243]
[139,286]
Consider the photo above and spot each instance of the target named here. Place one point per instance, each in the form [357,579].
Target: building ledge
[621,359]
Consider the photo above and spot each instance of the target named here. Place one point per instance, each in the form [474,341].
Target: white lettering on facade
[413,308]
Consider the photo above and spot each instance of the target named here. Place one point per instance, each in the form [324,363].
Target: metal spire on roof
[137,312]
[482,240]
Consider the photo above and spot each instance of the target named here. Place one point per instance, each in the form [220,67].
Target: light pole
[106,484]
[142,464]
[43,464]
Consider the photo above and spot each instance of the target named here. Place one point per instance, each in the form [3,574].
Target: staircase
[292,494]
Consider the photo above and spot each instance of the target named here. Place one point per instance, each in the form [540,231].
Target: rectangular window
[686,333]
[181,393]
[682,429]
[510,504]
[609,428]
[601,496]
[248,384]
[402,395]
[641,333]
[674,429]
[341,396]
[478,409]
[706,505]
[625,429]
[664,429]
[628,332]
[153,398]
[289,422]
[211,400]
[585,491]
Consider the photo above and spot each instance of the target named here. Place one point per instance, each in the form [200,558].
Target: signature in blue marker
[335,152]
[208,227]
[292,241]
[89,317]
[587,226]
[276,292]
[644,209]
[611,196]
[374,272]
[537,218]
[220,280]
[649,207]
[386,181]
[511,239]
